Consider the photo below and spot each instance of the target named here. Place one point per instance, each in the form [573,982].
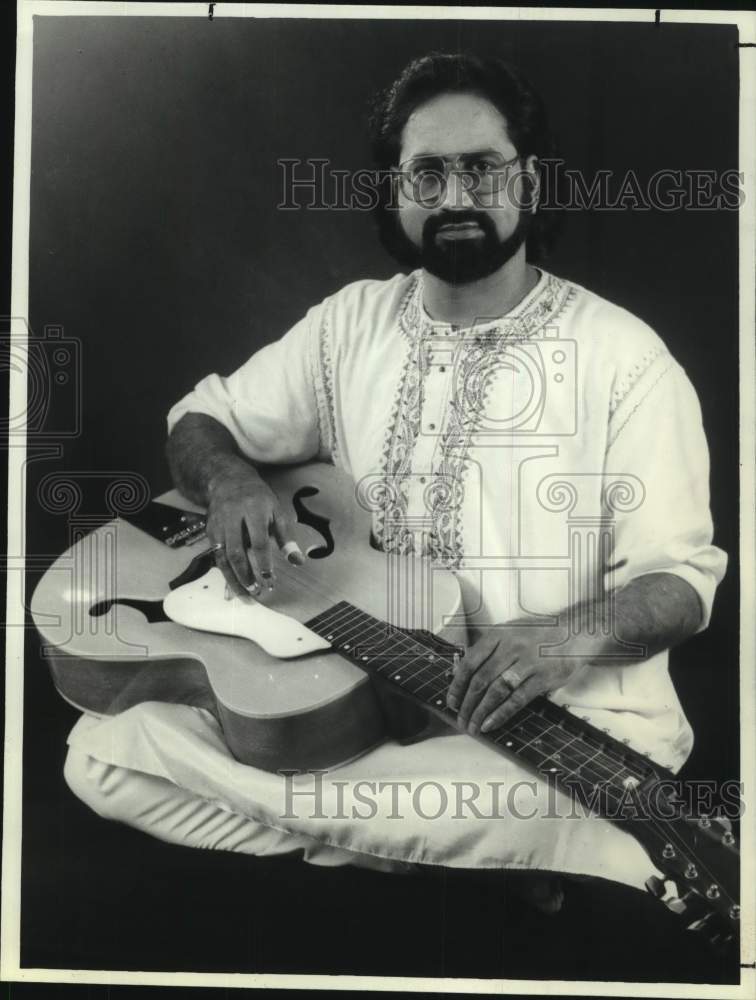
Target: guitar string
[530,717]
[568,745]
[332,621]
[350,620]
[598,752]
[353,619]
[617,765]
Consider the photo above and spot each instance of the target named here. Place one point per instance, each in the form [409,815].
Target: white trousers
[166,770]
[164,810]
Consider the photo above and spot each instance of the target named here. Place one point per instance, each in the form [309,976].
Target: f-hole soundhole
[313,520]
[152,610]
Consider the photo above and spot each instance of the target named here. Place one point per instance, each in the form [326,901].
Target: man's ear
[394,188]
[532,178]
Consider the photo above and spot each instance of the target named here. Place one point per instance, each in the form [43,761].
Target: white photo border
[10,968]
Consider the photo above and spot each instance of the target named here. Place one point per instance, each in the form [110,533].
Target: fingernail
[473,729]
[487,726]
[254,589]
[269,580]
[293,553]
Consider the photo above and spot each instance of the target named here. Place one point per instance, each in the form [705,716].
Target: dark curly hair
[440,73]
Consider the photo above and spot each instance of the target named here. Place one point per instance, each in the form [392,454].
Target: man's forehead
[452,123]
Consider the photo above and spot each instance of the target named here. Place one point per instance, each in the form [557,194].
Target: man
[508,407]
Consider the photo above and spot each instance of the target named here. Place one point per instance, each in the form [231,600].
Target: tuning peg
[704,822]
[655,886]
[677,904]
[721,942]
[666,891]
[728,839]
[699,925]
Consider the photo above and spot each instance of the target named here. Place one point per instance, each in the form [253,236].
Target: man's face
[461,238]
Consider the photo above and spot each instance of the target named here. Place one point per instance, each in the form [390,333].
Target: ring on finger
[510,679]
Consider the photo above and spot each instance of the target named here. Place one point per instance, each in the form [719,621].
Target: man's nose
[458,193]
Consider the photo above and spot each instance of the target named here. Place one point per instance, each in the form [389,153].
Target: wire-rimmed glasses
[483,173]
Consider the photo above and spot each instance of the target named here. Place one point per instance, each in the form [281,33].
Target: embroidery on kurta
[322,376]
[642,387]
[625,382]
[479,357]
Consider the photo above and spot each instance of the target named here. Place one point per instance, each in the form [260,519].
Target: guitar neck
[547,737]
[611,778]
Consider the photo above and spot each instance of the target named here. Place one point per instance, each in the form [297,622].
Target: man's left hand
[504,670]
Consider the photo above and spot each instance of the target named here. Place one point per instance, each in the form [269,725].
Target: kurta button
[431,427]
[442,368]
[423,479]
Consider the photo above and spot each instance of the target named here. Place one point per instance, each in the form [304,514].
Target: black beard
[457,262]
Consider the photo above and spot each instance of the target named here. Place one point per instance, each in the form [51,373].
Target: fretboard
[553,741]
[547,737]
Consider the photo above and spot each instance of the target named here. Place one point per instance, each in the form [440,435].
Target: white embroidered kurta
[545,457]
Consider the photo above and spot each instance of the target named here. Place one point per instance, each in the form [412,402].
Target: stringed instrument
[306,676]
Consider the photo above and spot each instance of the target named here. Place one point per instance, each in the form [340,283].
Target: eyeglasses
[424,179]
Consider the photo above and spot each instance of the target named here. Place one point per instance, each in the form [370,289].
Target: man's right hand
[243,509]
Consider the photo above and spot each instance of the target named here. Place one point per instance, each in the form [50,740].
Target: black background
[155,241]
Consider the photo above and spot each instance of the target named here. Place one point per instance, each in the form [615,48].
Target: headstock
[699,860]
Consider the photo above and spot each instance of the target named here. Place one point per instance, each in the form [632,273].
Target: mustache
[445,218]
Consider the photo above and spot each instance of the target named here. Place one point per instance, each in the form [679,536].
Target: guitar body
[93,608]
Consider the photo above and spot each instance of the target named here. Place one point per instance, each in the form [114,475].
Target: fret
[362,636]
[579,758]
[545,758]
[389,652]
[538,738]
[574,742]
[530,751]
[356,634]
[607,752]
[575,758]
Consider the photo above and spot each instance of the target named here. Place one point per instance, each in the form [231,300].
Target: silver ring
[510,685]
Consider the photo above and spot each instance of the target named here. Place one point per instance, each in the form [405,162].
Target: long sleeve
[656,435]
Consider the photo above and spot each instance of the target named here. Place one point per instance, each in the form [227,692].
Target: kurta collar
[540,304]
